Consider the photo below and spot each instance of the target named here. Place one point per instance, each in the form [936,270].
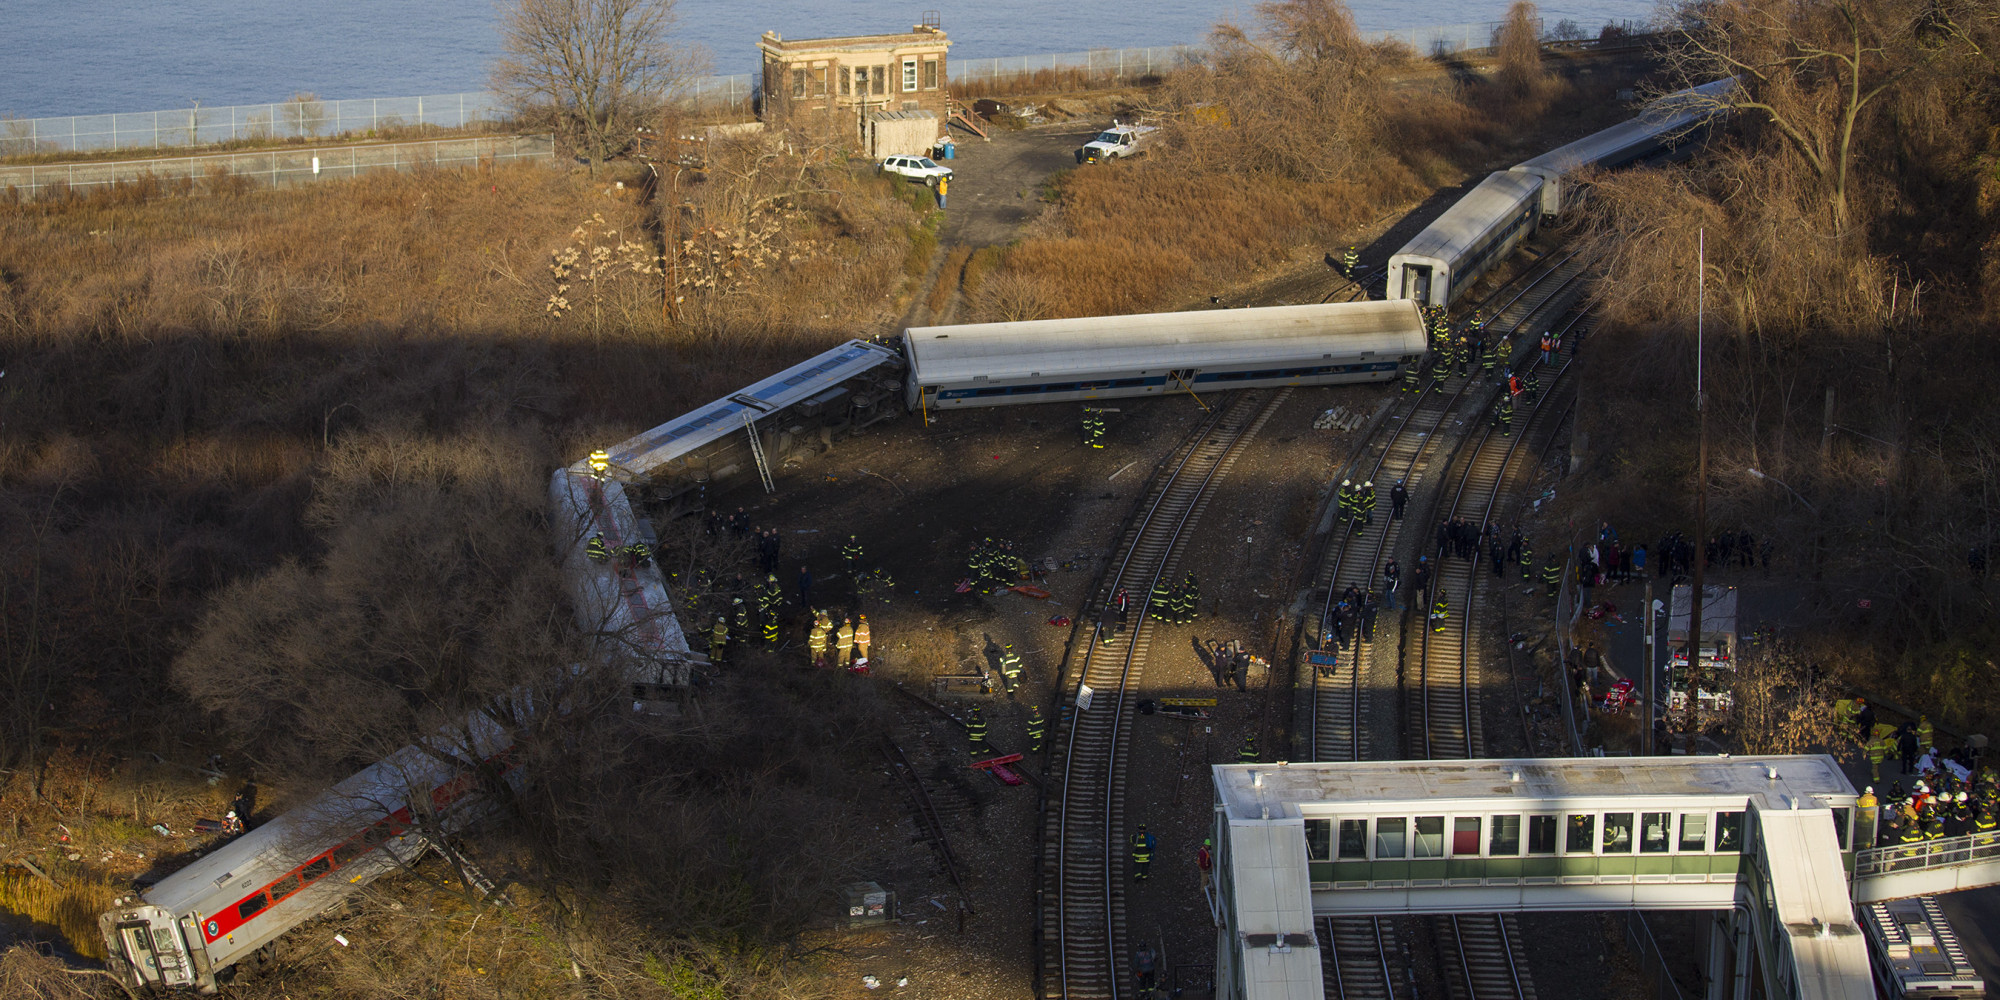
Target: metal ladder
[757,452]
[474,875]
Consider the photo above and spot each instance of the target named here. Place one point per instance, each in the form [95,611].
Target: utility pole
[1700,504]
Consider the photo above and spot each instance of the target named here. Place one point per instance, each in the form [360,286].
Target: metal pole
[1700,502]
[1646,746]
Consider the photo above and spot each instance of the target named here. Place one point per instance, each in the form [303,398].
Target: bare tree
[1520,45]
[1809,70]
[595,70]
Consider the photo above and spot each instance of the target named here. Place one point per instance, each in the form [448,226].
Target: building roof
[1246,790]
[775,44]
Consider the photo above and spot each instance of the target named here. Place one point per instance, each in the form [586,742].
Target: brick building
[855,76]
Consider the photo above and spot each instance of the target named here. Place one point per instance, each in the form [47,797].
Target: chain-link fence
[1446,39]
[275,168]
[1096,64]
[295,119]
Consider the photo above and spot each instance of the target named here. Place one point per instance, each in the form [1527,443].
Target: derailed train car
[1482,228]
[191,927]
[1108,357]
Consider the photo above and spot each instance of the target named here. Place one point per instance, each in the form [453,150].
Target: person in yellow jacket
[861,642]
[944,185]
[844,644]
[816,639]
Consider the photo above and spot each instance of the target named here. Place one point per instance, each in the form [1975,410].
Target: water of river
[101,56]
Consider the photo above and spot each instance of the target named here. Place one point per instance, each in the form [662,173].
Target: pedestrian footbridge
[1777,841]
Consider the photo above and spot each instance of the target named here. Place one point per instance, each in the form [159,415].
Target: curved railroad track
[1082,890]
[1358,951]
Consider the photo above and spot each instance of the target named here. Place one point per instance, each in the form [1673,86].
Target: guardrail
[1926,854]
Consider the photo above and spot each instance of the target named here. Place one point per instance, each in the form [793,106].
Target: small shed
[901,133]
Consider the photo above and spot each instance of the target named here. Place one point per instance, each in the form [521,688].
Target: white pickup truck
[1116,142]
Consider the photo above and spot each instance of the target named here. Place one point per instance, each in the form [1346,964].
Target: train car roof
[643,453]
[1473,216]
[249,861]
[1634,137]
[631,614]
[1246,790]
[1090,345]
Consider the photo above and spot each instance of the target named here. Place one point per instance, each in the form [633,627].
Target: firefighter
[718,640]
[1879,748]
[600,463]
[843,644]
[1191,598]
[851,553]
[1010,668]
[769,596]
[1037,727]
[1349,260]
[1163,598]
[1346,500]
[1142,852]
[1463,355]
[1367,503]
[1495,350]
[1926,734]
[975,732]
[1247,753]
[1412,375]
[742,618]
[640,553]
[860,643]
[1440,611]
[1531,386]
[1527,558]
[1093,427]
[1505,414]
[770,630]
[596,549]
[816,639]
[1552,575]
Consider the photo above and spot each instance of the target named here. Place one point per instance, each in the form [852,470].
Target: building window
[845,82]
[1319,833]
[1353,840]
[930,74]
[881,80]
[909,75]
[819,83]
[798,83]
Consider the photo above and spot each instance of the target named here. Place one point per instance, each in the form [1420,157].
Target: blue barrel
[949,150]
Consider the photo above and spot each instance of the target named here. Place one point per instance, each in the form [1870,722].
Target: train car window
[1319,834]
[1655,832]
[1541,835]
[1506,839]
[1354,840]
[1582,834]
[376,834]
[1465,836]
[1390,837]
[346,853]
[1618,833]
[251,907]
[317,868]
[1694,832]
[1127,383]
[1729,833]
[285,886]
[1430,837]
[1840,827]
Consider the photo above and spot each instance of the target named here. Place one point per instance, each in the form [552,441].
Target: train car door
[150,950]
[1417,282]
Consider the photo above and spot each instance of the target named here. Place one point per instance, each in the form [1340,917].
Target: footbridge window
[1617,833]
[1354,840]
[1465,836]
[1318,831]
[1655,832]
[1506,839]
[1694,831]
[1582,833]
[1541,835]
[1389,837]
[1729,833]
[1430,837]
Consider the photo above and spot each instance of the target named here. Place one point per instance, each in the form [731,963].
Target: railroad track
[1358,957]
[1487,967]
[930,821]
[1482,949]
[1354,948]
[1082,887]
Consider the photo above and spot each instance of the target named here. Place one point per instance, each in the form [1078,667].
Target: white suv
[916,168]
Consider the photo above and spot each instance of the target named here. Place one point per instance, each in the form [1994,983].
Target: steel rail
[1180,501]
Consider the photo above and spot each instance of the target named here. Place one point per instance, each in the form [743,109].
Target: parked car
[916,168]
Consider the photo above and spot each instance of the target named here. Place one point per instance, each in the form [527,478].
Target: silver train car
[1477,232]
[1666,124]
[624,606]
[1915,953]
[1108,357]
[1474,234]
[192,926]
